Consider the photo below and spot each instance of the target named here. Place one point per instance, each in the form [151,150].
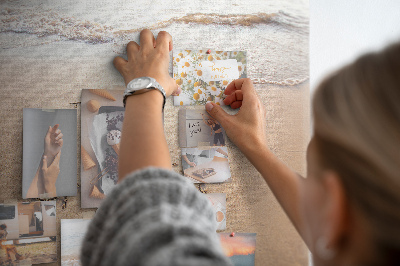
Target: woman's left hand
[53,142]
[150,59]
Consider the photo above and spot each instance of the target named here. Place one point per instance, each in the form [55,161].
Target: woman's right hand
[246,128]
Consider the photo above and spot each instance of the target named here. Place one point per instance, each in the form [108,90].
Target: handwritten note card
[219,70]
[204,74]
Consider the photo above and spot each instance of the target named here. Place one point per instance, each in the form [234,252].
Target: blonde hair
[357,134]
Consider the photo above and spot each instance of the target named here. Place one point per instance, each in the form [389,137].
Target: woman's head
[210,122]
[3,226]
[357,137]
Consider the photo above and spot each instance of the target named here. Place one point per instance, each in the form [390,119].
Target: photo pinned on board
[206,165]
[49,153]
[218,201]
[102,114]
[28,233]
[240,248]
[72,234]
[204,74]
[198,128]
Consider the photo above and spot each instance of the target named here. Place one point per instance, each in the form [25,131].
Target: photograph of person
[49,153]
[197,128]
[8,249]
[44,182]
[216,129]
[28,233]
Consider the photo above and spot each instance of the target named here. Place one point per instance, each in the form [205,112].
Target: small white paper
[218,70]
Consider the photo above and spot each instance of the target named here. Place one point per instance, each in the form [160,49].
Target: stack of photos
[49,153]
[218,201]
[206,165]
[28,233]
[204,74]
[72,234]
[102,114]
[239,247]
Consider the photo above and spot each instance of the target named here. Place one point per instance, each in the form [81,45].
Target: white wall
[341,30]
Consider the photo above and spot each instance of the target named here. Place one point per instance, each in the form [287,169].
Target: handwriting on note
[219,70]
[194,128]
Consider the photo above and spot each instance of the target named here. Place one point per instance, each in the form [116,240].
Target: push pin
[174,164]
[64,203]
[208,51]
[232,234]
[202,188]
[75,104]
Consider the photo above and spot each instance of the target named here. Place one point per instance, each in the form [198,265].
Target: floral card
[204,74]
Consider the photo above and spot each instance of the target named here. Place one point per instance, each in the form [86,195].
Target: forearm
[50,190]
[143,141]
[36,187]
[283,182]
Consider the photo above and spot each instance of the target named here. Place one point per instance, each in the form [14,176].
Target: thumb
[217,112]
[49,131]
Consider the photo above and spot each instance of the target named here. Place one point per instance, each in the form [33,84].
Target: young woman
[10,250]
[347,209]
[217,129]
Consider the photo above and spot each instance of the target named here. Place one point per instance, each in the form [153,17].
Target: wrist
[143,85]
[150,100]
[255,149]
[50,189]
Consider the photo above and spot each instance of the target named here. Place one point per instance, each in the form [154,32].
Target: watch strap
[153,86]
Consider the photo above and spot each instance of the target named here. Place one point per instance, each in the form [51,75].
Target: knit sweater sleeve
[153,217]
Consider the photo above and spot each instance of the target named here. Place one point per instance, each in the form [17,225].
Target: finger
[54,129]
[58,131]
[235,96]
[146,40]
[131,49]
[164,41]
[177,92]
[59,136]
[60,142]
[245,85]
[44,163]
[119,63]
[236,105]
[48,131]
[217,113]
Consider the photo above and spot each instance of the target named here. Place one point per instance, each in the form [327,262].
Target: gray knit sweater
[153,217]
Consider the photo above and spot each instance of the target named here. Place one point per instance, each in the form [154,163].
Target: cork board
[46,65]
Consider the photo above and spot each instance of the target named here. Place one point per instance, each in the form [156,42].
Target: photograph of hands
[49,157]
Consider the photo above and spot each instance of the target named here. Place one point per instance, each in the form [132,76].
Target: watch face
[140,83]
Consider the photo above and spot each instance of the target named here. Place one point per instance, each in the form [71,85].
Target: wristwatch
[142,85]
